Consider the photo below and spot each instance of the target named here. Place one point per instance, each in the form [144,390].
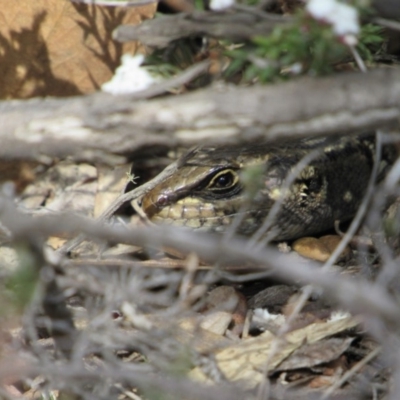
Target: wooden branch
[241,25]
[100,126]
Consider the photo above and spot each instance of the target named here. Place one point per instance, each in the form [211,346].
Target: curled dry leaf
[317,353]
[217,322]
[247,359]
[60,48]
[228,300]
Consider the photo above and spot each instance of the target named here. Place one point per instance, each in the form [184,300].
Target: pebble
[319,249]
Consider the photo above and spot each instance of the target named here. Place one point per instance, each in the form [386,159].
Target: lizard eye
[224,180]
[220,184]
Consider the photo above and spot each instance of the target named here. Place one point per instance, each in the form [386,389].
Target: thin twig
[359,61]
[388,23]
[351,372]
[117,263]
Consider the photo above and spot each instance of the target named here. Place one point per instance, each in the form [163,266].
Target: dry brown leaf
[110,185]
[188,332]
[330,373]
[64,187]
[312,354]
[60,48]
[321,382]
[55,242]
[246,360]
[217,322]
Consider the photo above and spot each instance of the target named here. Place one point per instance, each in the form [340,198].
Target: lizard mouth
[153,203]
[189,212]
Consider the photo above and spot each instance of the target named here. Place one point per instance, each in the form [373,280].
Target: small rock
[320,249]
[311,248]
[331,242]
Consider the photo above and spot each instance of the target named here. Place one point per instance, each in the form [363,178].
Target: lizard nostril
[153,203]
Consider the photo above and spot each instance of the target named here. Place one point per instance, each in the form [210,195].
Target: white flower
[342,17]
[129,77]
[263,316]
[320,9]
[338,315]
[218,5]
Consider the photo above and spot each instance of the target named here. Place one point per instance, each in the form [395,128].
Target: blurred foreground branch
[358,296]
[100,126]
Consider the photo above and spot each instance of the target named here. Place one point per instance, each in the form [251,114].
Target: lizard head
[208,190]
[204,193]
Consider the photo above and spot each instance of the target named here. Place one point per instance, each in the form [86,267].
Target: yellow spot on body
[189,201]
[161,215]
[348,196]
[163,220]
[193,223]
[206,210]
[190,212]
[176,211]
[208,223]
[276,194]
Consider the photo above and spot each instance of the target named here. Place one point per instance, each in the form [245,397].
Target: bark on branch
[241,25]
[100,126]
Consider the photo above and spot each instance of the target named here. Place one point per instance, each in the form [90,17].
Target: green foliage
[370,40]
[154,63]
[53,396]
[199,5]
[253,180]
[391,226]
[176,57]
[22,283]
[305,47]
[252,2]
